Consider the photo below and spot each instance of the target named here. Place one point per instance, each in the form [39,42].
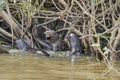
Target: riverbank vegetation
[96,22]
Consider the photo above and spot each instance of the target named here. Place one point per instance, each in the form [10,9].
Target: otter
[60,45]
[76,46]
[56,43]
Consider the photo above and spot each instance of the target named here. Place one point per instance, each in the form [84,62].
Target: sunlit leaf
[14,1]
[95,45]
[106,50]
[96,35]
[56,27]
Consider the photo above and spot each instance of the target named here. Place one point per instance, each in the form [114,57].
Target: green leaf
[96,35]
[106,35]
[2,5]
[1,41]
[43,8]
[30,14]
[96,1]
[95,45]
[106,50]
[60,36]
[56,27]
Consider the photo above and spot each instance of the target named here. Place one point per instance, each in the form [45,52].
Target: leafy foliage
[1,41]
[106,35]
[2,4]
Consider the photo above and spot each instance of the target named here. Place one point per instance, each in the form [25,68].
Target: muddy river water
[43,68]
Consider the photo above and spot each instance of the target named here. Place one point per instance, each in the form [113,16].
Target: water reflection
[42,68]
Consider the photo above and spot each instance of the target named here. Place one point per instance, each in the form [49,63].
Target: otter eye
[68,37]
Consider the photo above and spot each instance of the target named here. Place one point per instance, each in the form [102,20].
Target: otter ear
[72,34]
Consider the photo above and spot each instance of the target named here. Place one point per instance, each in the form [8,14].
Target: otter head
[49,34]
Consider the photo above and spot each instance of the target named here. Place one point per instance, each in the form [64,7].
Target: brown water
[42,68]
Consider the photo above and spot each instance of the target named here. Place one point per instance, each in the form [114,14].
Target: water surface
[43,68]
